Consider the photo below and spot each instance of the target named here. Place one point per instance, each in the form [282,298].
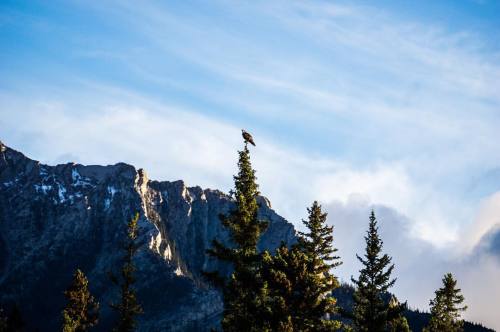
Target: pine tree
[128,308]
[397,322]
[446,307]
[244,291]
[300,280]
[371,312]
[285,274]
[82,310]
[317,245]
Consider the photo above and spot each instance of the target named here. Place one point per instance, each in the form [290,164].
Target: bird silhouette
[247,137]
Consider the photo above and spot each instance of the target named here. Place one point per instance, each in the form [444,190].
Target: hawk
[247,137]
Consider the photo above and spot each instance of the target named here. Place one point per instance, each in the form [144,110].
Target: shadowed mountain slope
[54,219]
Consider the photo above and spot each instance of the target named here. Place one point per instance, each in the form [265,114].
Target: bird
[247,137]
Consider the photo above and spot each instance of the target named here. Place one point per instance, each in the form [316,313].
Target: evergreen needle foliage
[244,291]
[398,323]
[446,307]
[128,308]
[82,310]
[371,312]
[300,279]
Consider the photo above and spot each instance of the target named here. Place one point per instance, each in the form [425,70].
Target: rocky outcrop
[54,219]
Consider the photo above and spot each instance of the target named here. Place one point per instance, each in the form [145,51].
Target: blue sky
[395,106]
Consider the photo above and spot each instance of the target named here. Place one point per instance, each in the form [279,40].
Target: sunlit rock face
[54,219]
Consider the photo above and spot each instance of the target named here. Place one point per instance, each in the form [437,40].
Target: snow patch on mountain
[43,188]
[79,180]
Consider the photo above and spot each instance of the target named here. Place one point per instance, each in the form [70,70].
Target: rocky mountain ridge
[54,219]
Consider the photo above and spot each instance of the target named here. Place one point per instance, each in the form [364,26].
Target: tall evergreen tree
[244,291]
[371,312]
[446,307]
[128,307]
[300,279]
[82,310]
[317,245]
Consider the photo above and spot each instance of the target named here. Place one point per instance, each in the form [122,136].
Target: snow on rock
[61,192]
[111,192]
[79,180]
[43,172]
[43,188]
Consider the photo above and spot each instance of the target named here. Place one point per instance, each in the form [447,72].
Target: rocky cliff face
[54,219]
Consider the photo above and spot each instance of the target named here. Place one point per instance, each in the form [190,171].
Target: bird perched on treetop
[247,137]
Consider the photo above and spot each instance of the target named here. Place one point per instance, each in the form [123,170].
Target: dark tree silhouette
[128,307]
[446,307]
[300,280]
[371,312]
[244,291]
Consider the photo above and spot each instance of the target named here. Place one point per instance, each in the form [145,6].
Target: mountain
[54,219]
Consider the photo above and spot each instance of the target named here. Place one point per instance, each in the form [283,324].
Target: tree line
[287,290]
[291,289]
[81,312]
